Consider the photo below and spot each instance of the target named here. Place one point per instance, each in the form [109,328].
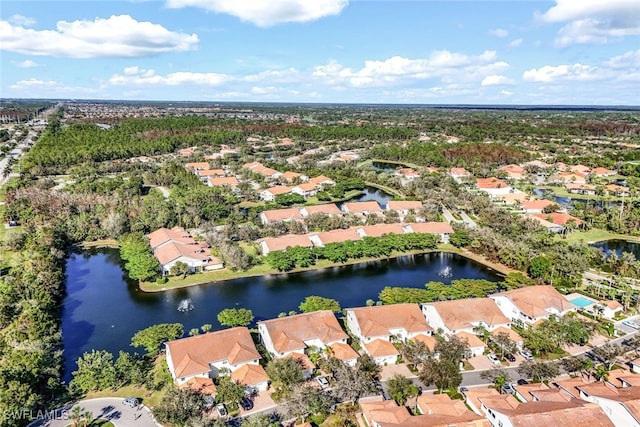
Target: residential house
[585,170]
[323,238]
[513,197]
[513,335]
[441,229]
[344,352]
[475,346]
[378,230]
[472,398]
[330,209]
[322,181]
[197,166]
[617,190]
[492,186]
[280,215]
[551,227]
[294,334]
[568,177]
[622,405]
[269,195]
[290,177]
[535,206]
[206,173]
[459,174]
[270,173]
[404,207]
[441,410]
[611,308]
[584,189]
[513,171]
[635,365]
[377,327]
[306,189]
[186,152]
[559,218]
[253,166]
[531,304]
[271,244]
[464,317]
[407,173]
[230,181]
[385,413]
[362,208]
[599,171]
[212,354]
[527,392]
[252,376]
[171,246]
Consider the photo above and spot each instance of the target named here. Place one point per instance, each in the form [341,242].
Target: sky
[558,52]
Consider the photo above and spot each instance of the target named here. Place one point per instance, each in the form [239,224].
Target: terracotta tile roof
[569,384]
[211,172]
[268,172]
[465,313]
[304,360]
[380,348]
[404,205]
[526,389]
[201,385]
[613,304]
[379,320]
[378,230]
[289,333]
[602,171]
[254,166]
[190,355]
[407,172]
[362,207]
[472,340]
[250,374]
[320,180]
[343,351]
[630,379]
[459,172]
[616,188]
[280,189]
[473,396]
[538,300]
[543,222]
[197,165]
[288,214]
[231,181]
[558,218]
[490,183]
[163,235]
[337,236]
[291,176]
[307,186]
[327,208]
[431,227]
[290,240]
[172,250]
[440,409]
[515,337]
[605,389]
[384,413]
[512,168]
[429,340]
[536,204]
[580,168]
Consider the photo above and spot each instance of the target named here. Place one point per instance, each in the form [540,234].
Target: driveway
[481,362]
[108,408]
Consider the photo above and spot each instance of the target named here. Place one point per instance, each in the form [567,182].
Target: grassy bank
[266,270]
[598,235]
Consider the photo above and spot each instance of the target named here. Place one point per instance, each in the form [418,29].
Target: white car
[631,324]
[526,355]
[324,383]
[494,359]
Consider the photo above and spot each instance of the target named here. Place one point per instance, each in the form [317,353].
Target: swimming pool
[582,302]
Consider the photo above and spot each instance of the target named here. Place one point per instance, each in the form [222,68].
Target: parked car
[463,389]
[522,381]
[131,402]
[510,357]
[631,324]
[526,354]
[494,359]
[508,389]
[246,404]
[323,381]
[222,410]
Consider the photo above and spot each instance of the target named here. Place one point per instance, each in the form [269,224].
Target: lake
[102,310]
[618,246]
[371,193]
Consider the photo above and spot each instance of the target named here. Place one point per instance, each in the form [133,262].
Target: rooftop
[538,301]
[379,320]
[466,313]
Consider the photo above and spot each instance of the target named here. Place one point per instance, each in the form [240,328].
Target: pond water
[542,194]
[385,167]
[371,193]
[618,246]
[102,310]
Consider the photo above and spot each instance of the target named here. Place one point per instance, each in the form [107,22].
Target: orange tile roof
[580,168]
[321,180]
[254,166]
[526,389]
[250,374]
[380,348]
[431,227]
[536,204]
[197,165]
[307,186]
[338,236]
[538,300]
[472,340]
[362,207]
[211,172]
[440,409]
[290,240]
[558,218]
[343,351]
[281,189]
[163,235]
[512,168]
[289,333]
[474,395]
[201,385]
[190,355]
[465,313]
[515,337]
[291,176]
[304,360]
[460,172]
[602,171]
[378,230]
[327,208]
[429,340]
[491,183]
[379,320]
[231,181]
[275,215]
[384,412]
[268,172]
[404,205]
[172,250]
[407,172]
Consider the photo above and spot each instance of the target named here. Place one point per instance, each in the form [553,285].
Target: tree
[235,317]
[258,420]
[349,383]
[95,372]
[179,269]
[367,364]
[401,388]
[229,391]
[573,364]
[139,261]
[316,303]
[504,342]
[539,371]
[415,353]
[608,354]
[285,373]
[306,399]
[539,267]
[130,369]
[178,406]
[498,376]
[460,238]
[442,373]
[152,337]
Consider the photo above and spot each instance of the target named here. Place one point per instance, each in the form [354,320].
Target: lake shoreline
[501,269]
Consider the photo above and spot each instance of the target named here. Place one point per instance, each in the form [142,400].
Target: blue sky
[352,51]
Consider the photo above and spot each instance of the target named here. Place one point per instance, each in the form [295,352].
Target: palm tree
[601,373]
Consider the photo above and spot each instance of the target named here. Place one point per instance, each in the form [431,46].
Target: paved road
[108,408]
[467,220]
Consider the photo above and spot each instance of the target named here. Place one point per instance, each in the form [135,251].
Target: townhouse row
[196,361]
[174,245]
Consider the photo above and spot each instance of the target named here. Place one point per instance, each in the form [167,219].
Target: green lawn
[596,235]
[562,192]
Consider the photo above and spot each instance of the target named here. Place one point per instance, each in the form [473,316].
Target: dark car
[522,381]
[246,404]
[510,357]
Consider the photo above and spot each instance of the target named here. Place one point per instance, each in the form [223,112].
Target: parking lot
[624,329]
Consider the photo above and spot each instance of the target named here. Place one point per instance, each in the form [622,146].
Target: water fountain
[185,305]
[446,272]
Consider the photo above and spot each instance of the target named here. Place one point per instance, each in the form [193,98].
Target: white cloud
[505,93]
[515,43]
[22,21]
[266,13]
[27,63]
[494,80]
[43,88]
[135,76]
[116,36]
[32,82]
[499,32]
[627,60]
[593,21]
[549,73]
